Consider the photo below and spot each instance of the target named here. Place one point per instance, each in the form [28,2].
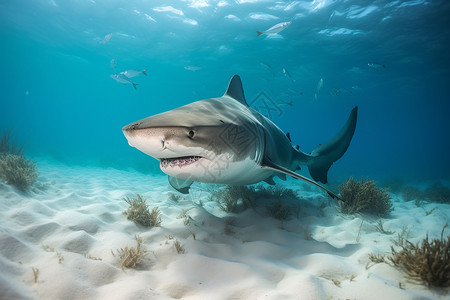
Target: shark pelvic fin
[282,176]
[270,181]
[235,90]
[181,185]
[268,164]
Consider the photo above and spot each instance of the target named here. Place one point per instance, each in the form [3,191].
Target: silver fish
[112,63]
[133,73]
[335,91]
[274,29]
[319,87]
[106,39]
[285,103]
[288,75]
[193,68]
[267,67]
[123,79]
[375,65]
[295,92]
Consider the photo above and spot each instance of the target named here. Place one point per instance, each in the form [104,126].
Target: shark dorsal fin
[235,90]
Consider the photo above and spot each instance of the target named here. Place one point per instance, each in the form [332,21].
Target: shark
[225,141]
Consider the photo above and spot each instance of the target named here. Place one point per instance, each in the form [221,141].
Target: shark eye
[191,133]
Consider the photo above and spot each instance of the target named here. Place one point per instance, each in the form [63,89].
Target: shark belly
[220,171]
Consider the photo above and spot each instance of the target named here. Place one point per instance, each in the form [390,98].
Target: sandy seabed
[68,225]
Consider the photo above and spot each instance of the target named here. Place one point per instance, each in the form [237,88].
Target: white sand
[75,212]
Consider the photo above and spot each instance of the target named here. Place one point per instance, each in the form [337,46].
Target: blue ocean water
[58,98]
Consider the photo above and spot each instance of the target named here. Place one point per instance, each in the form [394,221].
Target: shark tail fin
[135,85]
[143,72]
[259,33]
[323,156]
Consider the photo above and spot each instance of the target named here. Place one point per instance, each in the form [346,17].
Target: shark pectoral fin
[235,90]
[270,165]
[181,185]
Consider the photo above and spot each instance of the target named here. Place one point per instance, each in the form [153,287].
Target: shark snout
[129,131]
[149,140]
[131,127]
[135,134]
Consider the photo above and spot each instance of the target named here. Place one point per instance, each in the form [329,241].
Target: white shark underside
[224,141]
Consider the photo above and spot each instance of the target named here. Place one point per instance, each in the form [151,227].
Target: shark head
[212,140]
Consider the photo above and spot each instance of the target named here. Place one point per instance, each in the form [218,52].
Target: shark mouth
[179,161]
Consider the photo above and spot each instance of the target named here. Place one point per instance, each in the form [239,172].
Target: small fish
[319,87]
[284,96]
[335,91]
[274,29]
[267,67]
[193,68]
[295,92]
[106,39]
[285,103]
[286,73]
[123,79]
[376,65]
[133,72]
[112,63]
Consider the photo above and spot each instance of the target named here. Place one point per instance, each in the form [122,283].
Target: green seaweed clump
[131,256]
[279,211]
[277,193]
[428,261]
[15,169]
[18,171]
[236,198]
[8,147]
[139,213]
[364,197]
[228,198]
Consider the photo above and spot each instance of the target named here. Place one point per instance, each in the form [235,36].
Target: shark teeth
[178,161]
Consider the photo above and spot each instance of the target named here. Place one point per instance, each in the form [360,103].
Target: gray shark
[224,141]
